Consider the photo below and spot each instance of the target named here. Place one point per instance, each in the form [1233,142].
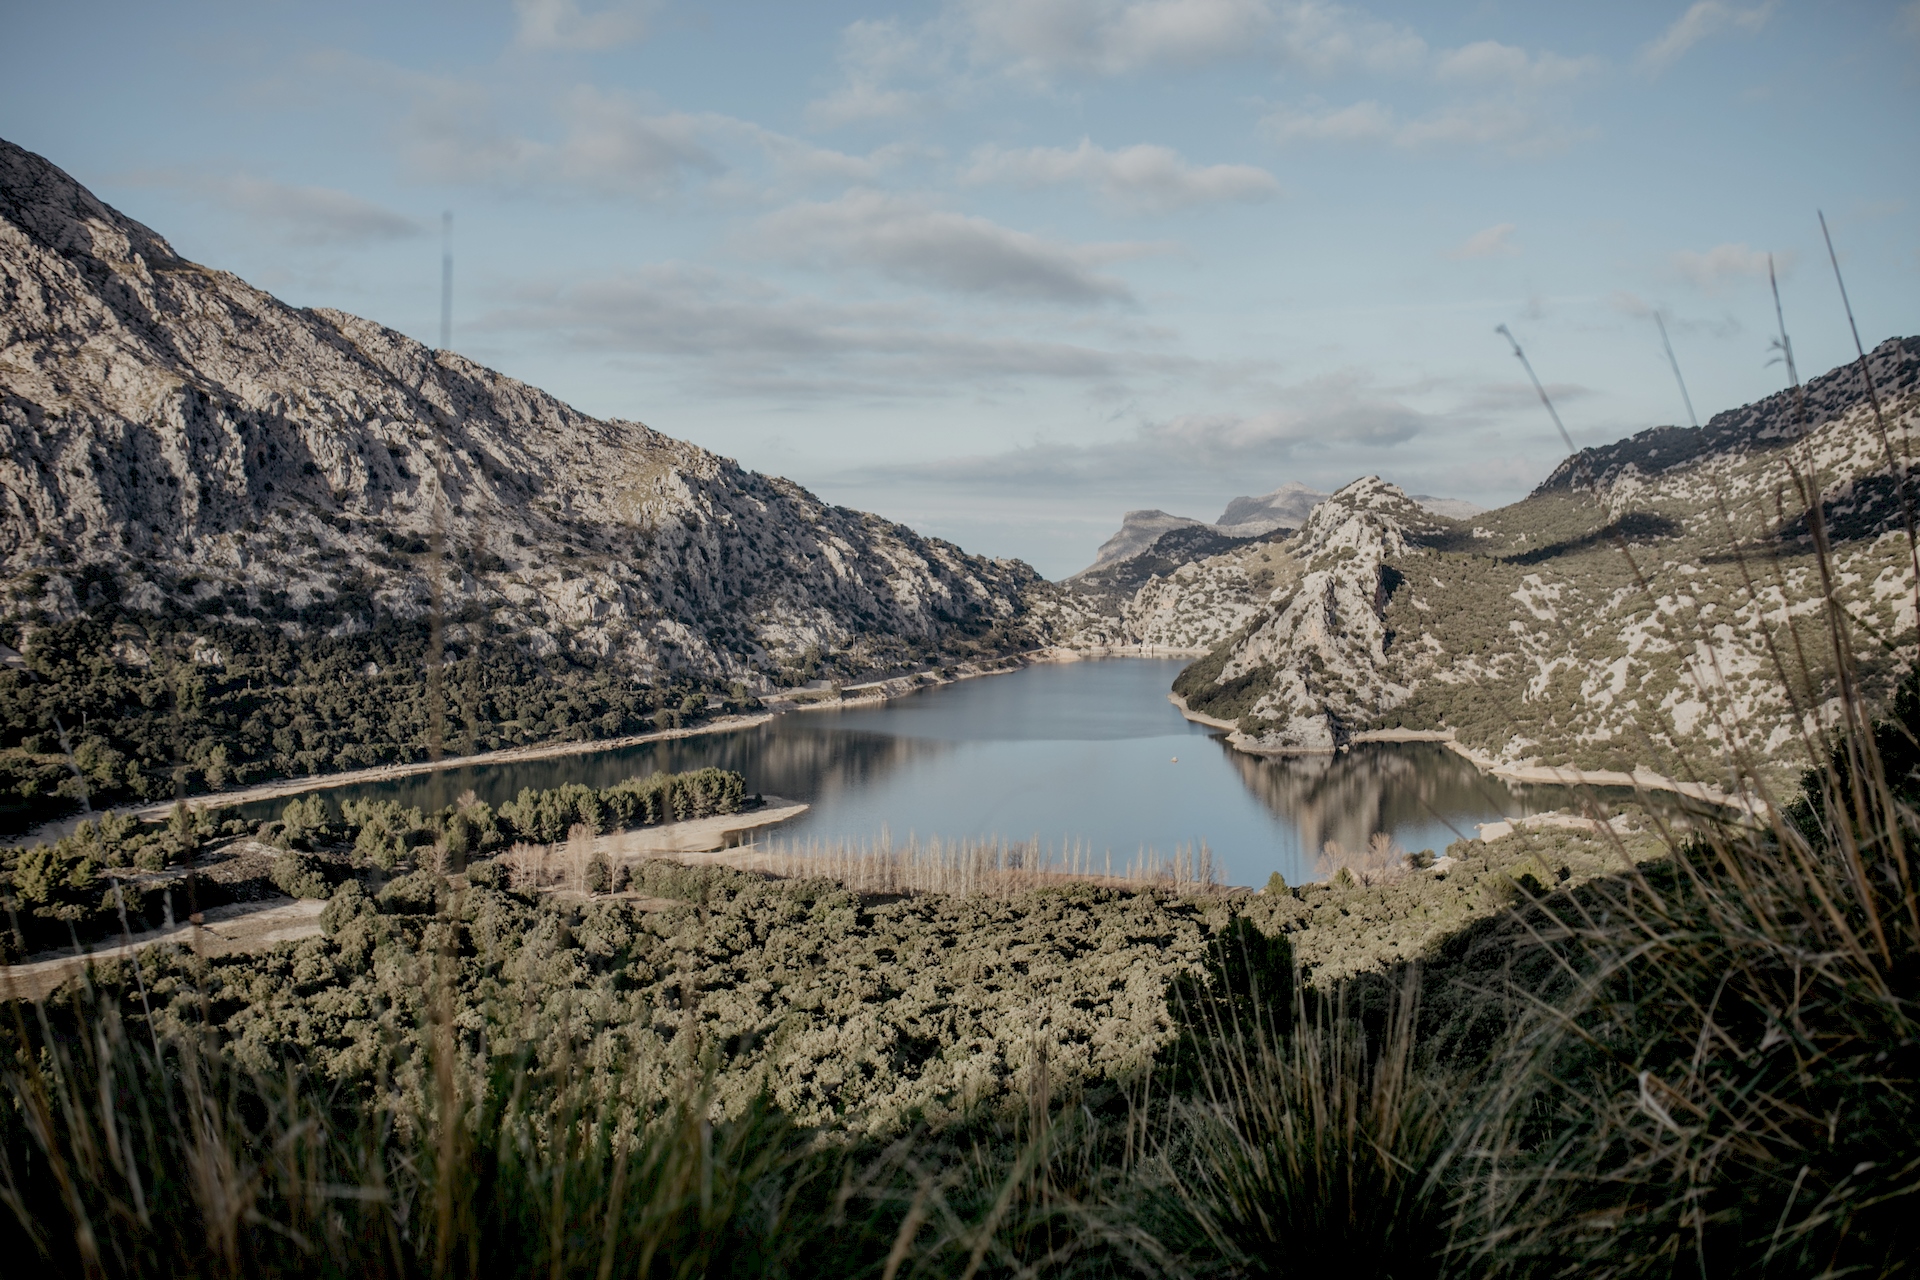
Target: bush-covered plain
[114,874]
[119,706]
[1565,1052]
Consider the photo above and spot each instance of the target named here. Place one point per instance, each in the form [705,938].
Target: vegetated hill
[1651,604]
[204,490]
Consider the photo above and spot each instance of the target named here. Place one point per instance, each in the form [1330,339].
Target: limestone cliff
[180,440]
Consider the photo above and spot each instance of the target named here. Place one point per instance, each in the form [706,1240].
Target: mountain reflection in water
[1084,753]
[1420,792]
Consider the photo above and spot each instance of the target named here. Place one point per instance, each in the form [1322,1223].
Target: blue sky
[1004,269]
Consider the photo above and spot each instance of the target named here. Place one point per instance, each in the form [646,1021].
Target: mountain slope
[184,449]
[1645,607]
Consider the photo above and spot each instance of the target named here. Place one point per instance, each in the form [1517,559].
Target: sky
[1003,270]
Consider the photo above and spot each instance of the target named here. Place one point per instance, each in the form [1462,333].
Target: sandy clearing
[241,926]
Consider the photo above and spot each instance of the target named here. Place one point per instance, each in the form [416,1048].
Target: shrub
[488,874]
[302,821]
[300,875]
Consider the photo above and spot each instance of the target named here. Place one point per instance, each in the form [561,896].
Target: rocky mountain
[173,423]
[1155,542]
[1138,531]
[1286,507]
[191,456]
[1182,545]
[1655,603]
[1199,604]
[1451,508]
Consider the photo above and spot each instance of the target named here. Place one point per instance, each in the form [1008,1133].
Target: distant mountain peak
[1286,507]
[1138,531]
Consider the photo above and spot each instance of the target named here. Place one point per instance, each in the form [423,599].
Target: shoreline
[1180,704]
[1637,780]
[879,692]
[866,694]
[287,787]
[251,926]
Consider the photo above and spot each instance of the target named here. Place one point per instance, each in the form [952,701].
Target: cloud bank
[1145,178]
[911,240]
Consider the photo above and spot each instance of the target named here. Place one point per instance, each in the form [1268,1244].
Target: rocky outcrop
[1198,605]
[178,438]
[1319,648]
[1166,581]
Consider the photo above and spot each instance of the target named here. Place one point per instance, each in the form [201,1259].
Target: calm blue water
[1085,752]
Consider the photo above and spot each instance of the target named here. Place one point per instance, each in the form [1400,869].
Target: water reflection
[1086,753]
[1423,794]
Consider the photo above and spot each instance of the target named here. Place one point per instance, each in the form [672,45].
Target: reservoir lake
[1085,754]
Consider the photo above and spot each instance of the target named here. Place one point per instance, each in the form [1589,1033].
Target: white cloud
[1490,95]
[909,240]
[1704,19]
[1628,303]
[1322,39]
[611,144]
[1118,37]
[1495,123]
[591,140]
[303,215]
[1367,121]
[563,24]
[1725,263]
[1495,241]
[873,54]
[724,334]
[1143,176]
[861,101]
[1115,36]
[1516,126]
[1338,416]
[1490,62]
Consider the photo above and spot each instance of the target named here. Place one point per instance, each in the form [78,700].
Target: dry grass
[1382,861]
[995,868]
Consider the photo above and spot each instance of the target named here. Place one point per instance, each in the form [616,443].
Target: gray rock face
[200,438]
[1325,640]
[1286,507]
[1451,508]
[1139,530]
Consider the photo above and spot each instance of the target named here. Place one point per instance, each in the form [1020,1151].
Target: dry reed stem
[992,868]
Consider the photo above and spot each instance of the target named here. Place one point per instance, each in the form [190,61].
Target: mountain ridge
[241,538]
[1630,613]
[154,410]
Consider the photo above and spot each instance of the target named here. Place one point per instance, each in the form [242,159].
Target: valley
[472,836]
